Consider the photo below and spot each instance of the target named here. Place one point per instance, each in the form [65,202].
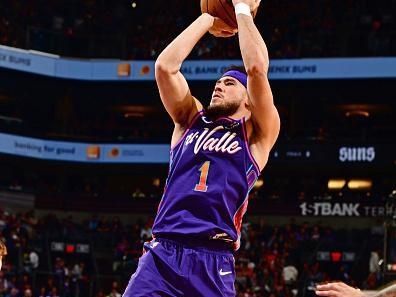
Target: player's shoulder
[196,110]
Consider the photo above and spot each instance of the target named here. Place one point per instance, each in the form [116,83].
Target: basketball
[223,9]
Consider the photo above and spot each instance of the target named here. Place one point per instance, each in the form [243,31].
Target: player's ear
[247,103]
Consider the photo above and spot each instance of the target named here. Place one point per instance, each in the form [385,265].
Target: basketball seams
[230,16]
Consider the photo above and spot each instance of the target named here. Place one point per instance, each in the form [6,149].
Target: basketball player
[217,154]
[3,252]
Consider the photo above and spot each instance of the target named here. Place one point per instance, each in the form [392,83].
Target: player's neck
[240,114]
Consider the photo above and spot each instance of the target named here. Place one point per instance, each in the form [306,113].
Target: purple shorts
[170,268]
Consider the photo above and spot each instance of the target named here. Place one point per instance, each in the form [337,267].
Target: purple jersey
[210,175]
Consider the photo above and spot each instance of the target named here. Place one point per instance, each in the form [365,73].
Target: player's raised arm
[265,118]
[174,91]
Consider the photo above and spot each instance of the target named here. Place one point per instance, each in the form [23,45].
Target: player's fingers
[328,286]
[227,34]
[221,33]
[322,287]
[256,4]
[340,285]
[327,293]
[214,33]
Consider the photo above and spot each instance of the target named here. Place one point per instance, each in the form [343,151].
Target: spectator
[93,223]
[3,252]
[28,293]
[290,274]
[138,194]
[42,292]
[114,290]
[54,292]
[5,285]
[34,259]
[146,233]
[374,266]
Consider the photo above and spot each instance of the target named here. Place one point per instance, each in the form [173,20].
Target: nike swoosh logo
[222,273]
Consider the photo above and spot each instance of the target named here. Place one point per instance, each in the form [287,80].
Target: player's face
[228,95]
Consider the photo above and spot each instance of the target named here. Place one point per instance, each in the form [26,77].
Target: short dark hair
[237,68]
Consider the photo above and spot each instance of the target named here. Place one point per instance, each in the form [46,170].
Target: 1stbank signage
[343,209]
[356,154]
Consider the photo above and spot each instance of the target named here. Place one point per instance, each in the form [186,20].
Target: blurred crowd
[74,192]
[74,187]
[273,261]
[35,266]
[138,29]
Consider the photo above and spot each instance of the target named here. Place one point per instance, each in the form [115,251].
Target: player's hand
[221,29]
[253,4]
[337,289]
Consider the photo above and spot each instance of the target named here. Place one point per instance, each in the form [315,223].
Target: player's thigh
[213,276]
[151,279]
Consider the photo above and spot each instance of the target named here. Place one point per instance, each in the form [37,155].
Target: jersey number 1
[201,186]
